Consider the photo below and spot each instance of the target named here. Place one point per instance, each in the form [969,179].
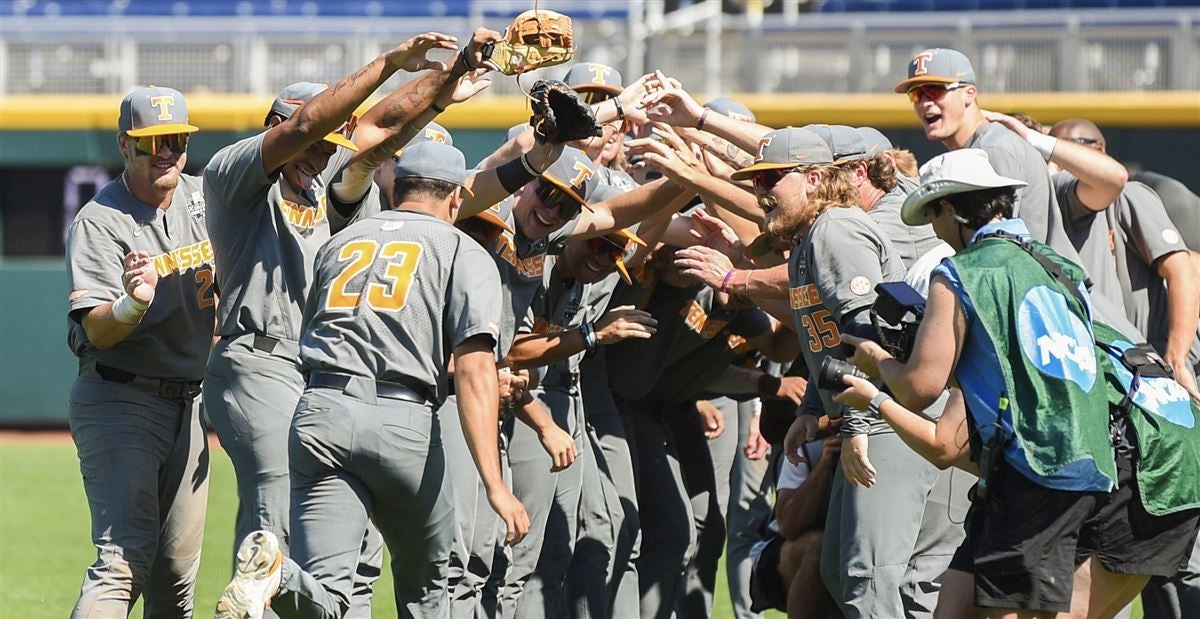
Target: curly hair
[836,189]
[882,173]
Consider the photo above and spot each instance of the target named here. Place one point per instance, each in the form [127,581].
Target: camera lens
[832,371]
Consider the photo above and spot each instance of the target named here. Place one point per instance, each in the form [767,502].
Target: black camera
[895,318]
[832,371]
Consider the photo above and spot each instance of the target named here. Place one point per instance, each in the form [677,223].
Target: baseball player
[141,315]
[877,504]
[394,297]
[270,213]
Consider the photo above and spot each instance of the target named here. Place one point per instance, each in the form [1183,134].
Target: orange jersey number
[822,330]
[391,294]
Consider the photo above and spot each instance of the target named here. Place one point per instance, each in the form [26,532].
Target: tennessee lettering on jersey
[738,344]
[801,297]
[529,267]
[183,258]
[699,321]
[302,215]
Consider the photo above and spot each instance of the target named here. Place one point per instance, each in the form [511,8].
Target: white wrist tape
[128,310]
[1043,143]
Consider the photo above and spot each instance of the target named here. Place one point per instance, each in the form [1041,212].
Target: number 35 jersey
[173,338]
[832,275]
[393,295]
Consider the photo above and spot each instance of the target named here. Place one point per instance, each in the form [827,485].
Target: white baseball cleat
[256,575]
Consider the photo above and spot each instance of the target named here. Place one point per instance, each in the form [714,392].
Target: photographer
[1009,319]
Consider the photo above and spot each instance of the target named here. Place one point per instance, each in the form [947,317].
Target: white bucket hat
[957,171]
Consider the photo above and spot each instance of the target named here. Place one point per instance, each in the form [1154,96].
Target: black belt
[166,389]
[384,389]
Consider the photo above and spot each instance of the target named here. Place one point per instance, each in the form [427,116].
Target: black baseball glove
[559,114]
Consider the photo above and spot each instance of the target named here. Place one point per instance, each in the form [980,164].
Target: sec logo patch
[860,285]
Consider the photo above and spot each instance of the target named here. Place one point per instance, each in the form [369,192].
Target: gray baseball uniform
[392,297]
[264,237]
[133,409]
[1183,206]
[872,535]
[578,503]
[1119,247]
[521,264]
[911,242]
[1013,157]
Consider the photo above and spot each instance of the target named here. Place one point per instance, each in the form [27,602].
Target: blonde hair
[906,162]
[835,190]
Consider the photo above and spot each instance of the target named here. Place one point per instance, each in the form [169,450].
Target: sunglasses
[764,180]
[151,144]
[556,199]
[933,92]
[600,245]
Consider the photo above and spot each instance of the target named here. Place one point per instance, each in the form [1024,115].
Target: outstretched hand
[411,55]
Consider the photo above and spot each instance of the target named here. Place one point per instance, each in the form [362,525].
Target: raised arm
[328,110]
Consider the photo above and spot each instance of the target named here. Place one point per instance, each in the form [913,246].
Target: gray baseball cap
[787,148]
[728,107]
[876,141]
[938,66]
[293,96]
[433,160]
[958,171]
[594,76]
[431,132]
[575,174]
[154,110]
[845,143]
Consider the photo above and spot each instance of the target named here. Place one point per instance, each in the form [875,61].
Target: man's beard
[166,182]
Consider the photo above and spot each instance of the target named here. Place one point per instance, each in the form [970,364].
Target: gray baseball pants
[536,576]
[356,458]
[664,509]
[144,460]
[616,444]
[873,536]
[253,386]
[477,527]
[706,465]
[748,510]
[590,583]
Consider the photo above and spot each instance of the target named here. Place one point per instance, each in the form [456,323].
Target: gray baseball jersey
[911,242]
[562,304]
[393,295]
[174,336]
[521,262]
[1183,206]
[1036,204]
[1119,247]
[264,236]
[832,274]
[616,178]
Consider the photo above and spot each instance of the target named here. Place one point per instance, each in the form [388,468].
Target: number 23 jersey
[393,295]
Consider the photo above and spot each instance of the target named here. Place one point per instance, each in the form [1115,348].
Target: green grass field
[45,539]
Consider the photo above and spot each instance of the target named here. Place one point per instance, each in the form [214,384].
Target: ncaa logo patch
[1161,396]
[1054,340]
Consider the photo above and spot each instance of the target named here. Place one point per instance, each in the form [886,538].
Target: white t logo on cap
[920,60]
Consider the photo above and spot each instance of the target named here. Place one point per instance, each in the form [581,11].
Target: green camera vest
[1164,419]
[1041,332]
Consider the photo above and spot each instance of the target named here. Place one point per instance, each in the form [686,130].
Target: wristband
[620,111]
[514,174]
[725,282]
[529,168]
[768,385]
[877,402]
[437,108]
[703,117]
[462,55]
[128,310]
[589,336]
[1044,144]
